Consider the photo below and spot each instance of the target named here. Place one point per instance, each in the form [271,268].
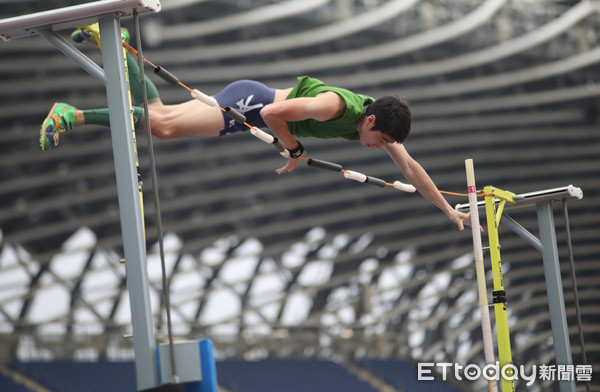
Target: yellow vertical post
[94,29]
[137,160]
[499,295]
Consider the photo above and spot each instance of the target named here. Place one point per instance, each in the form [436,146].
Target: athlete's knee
[160,125]
[269,112]
[156,105]
[163,132]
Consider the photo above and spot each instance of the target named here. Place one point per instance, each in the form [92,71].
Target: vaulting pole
[486,328]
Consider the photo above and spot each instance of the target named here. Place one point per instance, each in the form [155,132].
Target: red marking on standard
[472,189]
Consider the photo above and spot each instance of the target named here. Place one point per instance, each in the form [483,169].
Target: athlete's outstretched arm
[419,178]
[323,107]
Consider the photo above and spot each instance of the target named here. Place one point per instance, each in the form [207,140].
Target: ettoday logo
[493,372]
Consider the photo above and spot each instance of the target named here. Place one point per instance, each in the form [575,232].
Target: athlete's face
[370,137]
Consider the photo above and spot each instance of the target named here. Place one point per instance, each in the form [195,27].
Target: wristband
[297,152]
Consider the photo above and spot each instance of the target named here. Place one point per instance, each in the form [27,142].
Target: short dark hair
[392,117]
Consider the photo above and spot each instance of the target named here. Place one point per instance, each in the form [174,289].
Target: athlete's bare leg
[191,118]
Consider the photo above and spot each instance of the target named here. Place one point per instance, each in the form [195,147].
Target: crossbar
[69,17]
[565,192]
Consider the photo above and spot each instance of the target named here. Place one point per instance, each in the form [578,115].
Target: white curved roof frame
[255,16]
[415,42]
[555,68]
[315,36]
[169,5]
[515,101]
[484,56]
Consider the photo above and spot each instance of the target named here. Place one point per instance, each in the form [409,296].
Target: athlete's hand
[291,165]
[461,219]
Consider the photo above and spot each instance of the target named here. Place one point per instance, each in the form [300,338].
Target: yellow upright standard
[499,295]
[94,31]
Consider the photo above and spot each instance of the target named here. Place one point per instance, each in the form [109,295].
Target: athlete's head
[392,117]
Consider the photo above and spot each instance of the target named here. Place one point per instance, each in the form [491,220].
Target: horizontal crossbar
[566,192]
[70,17]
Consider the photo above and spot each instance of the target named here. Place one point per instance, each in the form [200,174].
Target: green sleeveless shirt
[342,127]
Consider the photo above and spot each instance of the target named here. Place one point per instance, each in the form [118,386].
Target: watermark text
[494,372]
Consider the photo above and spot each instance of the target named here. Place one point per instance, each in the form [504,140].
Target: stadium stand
[403,376]
[7,384]
[236,375]
[291,375]
[70,376]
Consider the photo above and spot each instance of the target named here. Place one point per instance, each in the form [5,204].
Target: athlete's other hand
[291,165]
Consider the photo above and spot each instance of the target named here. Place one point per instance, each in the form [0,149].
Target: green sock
[101,117]
[135,84]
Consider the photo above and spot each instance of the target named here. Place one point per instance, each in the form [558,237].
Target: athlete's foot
[60,119]
[83,36]
[90,34]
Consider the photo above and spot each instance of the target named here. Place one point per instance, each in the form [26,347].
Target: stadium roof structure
[307,263]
